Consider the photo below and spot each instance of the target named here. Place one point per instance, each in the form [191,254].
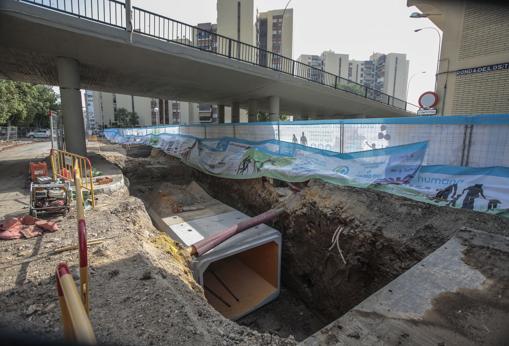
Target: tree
[24,104]
[124,118]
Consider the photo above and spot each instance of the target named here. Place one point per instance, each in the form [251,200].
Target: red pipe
[204,245]
[62,270]
[82,240]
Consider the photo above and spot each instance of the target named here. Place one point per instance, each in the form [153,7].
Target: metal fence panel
[489,146]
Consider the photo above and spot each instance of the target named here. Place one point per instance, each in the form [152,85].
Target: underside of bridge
[111,59]
[35,40]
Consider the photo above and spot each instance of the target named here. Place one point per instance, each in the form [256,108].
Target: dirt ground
[141,291]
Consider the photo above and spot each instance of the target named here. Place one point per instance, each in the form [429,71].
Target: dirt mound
[142,292]
[383,235]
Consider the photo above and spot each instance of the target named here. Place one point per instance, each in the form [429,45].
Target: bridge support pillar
[235,112]
[274,108]
[220,114]
[74,126]
[252,110]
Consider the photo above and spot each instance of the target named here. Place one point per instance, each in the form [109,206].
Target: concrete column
[274,108]
[220,114]
[252,110]
[235,112]
[74,126]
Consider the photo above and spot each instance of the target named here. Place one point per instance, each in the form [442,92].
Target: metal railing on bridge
[140,21]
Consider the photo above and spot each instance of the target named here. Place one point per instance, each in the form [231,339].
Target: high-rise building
[335,63]
[356,71]
[387,73]
[90,123]
[274,31]
[235,19]
[205,38]
[395,75]
[310,73]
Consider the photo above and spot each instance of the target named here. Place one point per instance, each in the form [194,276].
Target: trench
[381,237]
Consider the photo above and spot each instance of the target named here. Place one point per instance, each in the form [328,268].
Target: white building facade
[150,111]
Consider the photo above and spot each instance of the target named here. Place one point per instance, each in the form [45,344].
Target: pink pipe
[204,245]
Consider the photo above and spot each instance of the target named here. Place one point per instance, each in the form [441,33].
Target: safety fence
[469,141]
[74,306]
[137,20]
[63,165]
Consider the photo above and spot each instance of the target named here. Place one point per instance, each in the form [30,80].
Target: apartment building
[274,32]
[314,61]
[335,63]
[150,111]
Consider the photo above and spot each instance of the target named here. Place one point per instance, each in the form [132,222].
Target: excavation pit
[239,275]
[384,235]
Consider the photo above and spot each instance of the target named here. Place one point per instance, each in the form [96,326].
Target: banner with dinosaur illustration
[240,159]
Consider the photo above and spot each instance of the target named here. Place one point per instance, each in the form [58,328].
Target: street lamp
[410,80]
[439,46]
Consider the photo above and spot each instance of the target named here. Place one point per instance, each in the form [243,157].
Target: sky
[354,27]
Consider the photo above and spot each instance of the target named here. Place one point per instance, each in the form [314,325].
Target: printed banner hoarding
[396,169]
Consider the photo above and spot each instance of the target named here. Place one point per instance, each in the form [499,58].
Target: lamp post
[410,80]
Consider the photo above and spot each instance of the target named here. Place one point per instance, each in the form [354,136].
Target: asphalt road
[14,162]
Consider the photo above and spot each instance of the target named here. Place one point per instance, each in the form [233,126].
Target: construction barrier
[75,306]
[82,236]
[77,326]
[63,164]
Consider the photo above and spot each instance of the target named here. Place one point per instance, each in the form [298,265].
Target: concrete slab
[457,295]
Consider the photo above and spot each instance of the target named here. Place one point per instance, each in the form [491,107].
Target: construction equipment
[38,169]
[47,199]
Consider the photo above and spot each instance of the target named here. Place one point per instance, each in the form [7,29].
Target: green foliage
[23,104]
[124,118]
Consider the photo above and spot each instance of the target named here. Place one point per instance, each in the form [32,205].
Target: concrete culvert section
[240,274]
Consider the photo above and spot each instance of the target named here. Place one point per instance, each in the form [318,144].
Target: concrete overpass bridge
[107,45]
